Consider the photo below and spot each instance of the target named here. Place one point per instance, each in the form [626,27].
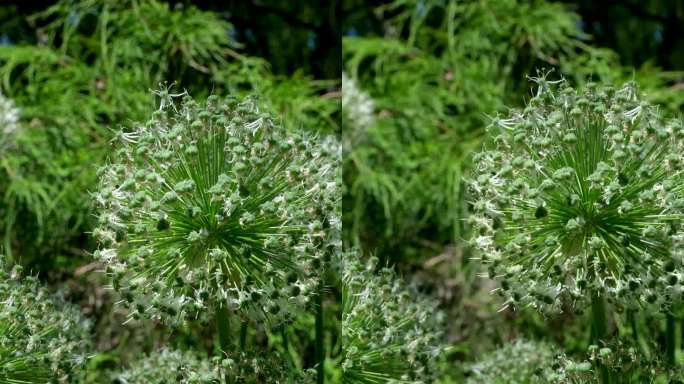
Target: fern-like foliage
[92,66]
[88,69]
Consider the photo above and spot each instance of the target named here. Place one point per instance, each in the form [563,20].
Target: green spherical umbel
[214,204]
[587,183]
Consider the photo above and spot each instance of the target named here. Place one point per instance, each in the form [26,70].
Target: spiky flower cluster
[217,205]
[357,110]
[169,365]
[527,362]
[390,332]
[260,367]
[579,193]
[42,338]
[9,121]
[187,367]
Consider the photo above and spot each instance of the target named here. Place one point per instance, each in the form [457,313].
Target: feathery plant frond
[539,30]
[582,192]
[217,205]
[42,338]
[89,66]
[184,35]
[390,333]
[528,362]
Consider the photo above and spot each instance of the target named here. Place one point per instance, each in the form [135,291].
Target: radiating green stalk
[320,355]
[670,338]
[599,330]
[223,325]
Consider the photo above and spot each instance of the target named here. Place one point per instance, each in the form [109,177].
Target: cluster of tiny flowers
[216,204]
[186,367]
[9,121]
[623,356]
[357,111]
[42,338]
[390,332]
[324,205]
[259,367]
[168,365]
[527,362]
[579,193]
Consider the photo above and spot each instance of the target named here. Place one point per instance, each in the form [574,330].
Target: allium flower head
[183,367]
[217,204]
[42,338]
[528,362]
[582,192]
[187,367]
[390,332]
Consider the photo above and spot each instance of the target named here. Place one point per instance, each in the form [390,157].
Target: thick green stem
[638,340]
[599,331]
[243,335]
[288,356]
[598,318]
[223,325]
[320,354]
[670,338]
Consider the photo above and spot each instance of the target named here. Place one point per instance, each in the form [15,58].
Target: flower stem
[320,355]
[638,340]
[288,356]
[243,335]
[223,325]
[670,338]
[599,330]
